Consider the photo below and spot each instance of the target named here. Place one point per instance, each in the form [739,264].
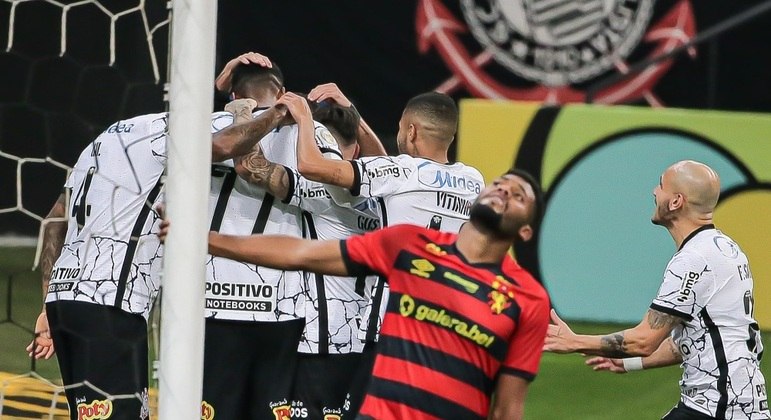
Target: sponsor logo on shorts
[332,413]
[96,410]
[281,410]
[207,411]
[437,316]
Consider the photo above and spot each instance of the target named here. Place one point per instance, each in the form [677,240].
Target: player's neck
[480,247]
[682,228]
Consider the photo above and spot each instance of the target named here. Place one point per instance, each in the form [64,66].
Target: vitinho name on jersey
[453,203]
[440,317]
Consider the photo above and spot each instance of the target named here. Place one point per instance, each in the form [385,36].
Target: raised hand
[241,109]
[223,81]
[42,346]
[329,91]
[297,106]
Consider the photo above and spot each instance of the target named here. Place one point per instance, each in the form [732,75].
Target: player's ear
[280,92]
[676,202]
[525,233]
[412,132]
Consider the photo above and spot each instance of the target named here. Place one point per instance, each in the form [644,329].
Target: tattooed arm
[642,340]
[666,355]
[239,139]
[256,169]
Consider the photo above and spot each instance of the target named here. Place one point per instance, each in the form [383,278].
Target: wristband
[632,363]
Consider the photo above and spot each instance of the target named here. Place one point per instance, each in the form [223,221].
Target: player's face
[662,196]
[505,207]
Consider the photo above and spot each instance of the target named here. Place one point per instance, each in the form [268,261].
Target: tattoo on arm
[260,171]
[53,239]
[673,348]
[613,345]
[658,320]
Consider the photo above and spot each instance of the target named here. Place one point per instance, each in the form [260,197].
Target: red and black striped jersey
[451,326]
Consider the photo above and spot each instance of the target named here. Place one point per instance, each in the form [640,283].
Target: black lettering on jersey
[95,146]
[686,287]
[453,203]
[119,128]
[744,272]
[239,289]
[383,171]
[368,223]
[59,273]
[60,287]
[318,192]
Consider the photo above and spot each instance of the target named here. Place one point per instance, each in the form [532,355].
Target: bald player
[701,317]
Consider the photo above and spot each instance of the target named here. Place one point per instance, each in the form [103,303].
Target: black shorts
[106,347]
[249,368]
[328,385]
[683,412]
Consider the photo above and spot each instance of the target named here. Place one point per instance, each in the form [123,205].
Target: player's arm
[509,399]
[54,231]
[642,340]
[369,143]
[239,139]
[666,355]
[310,162]
[281,252]
[258,170]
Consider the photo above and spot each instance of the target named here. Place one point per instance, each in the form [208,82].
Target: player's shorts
[328,386]
[683,412]
[106,347]
[249,368]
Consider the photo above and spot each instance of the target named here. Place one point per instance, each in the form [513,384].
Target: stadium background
[599,164]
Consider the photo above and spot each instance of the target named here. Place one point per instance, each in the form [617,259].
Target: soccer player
[701,317]
[100,290]
[464,319]
[248,306]
[330,350]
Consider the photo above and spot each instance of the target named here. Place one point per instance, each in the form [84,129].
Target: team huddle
[345,283]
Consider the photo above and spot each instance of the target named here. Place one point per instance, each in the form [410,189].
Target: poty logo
[95,411]
[207,411]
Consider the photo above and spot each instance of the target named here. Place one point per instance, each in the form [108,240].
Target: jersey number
[82,209]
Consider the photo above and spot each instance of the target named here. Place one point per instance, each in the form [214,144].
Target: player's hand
[223,81]
[329,91]
[42,346]
[241,109]
[298,107]
[559,336]
[606,363]
[163,230]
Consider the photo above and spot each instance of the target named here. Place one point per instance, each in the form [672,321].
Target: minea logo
[96,410]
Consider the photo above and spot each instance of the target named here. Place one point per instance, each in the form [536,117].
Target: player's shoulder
[524,279]
[144,124]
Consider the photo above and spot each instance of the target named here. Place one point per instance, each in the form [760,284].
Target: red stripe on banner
[431,381]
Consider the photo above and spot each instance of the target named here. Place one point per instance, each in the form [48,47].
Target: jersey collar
[694,233]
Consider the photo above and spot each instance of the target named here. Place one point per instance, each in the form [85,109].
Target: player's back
[110,240]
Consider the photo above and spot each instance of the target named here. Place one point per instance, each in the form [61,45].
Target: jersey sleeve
[374,176]
[687,286]
[524,353]
[374,252]
[308,195]
[326,142]
[159,132]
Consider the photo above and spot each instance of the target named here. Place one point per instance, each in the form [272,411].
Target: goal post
[193,42]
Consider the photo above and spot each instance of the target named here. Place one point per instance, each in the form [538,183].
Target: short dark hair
[247,77]
[439,109]
[540,203]
[343,120]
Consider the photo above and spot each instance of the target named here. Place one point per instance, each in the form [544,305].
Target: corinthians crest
[551,43]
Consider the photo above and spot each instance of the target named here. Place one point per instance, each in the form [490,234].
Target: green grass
[564,389]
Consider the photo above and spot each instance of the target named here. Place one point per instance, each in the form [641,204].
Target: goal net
[70,70]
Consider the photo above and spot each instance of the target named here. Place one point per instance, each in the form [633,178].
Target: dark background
[52,106]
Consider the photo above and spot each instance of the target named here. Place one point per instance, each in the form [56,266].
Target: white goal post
[193,43]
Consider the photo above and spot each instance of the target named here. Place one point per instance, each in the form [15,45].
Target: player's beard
[485,218]
[663,216]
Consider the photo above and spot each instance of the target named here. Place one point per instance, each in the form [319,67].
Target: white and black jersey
[241,291]
[409,190]
[708,283]
[111,251]
[334,305]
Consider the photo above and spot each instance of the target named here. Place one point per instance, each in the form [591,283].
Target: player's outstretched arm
[369,143]
[281,252]
[239,139]
[509,402]
[642,340]
[54,231]
[666,355]
[310,162]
